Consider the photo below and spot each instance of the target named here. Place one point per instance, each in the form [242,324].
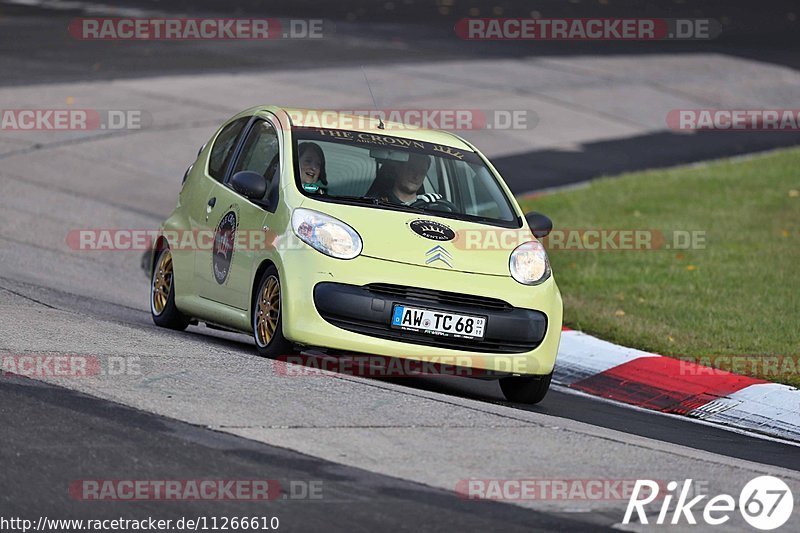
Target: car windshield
[389,172]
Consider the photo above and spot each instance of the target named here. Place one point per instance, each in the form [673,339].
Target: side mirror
[249,184]
[541,226]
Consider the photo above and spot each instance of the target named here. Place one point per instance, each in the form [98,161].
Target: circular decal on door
[224,238]
[430,229]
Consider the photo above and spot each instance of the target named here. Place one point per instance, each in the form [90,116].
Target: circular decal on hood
[430,229]
[224,237]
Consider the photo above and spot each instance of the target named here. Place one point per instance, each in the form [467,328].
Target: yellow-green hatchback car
[316,231]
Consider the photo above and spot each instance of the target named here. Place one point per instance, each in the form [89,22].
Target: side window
[480,195]
[223,147]
[260,152]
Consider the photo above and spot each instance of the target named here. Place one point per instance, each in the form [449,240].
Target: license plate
[438,322]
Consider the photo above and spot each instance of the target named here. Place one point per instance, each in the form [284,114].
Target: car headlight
[529,264]
[326,234]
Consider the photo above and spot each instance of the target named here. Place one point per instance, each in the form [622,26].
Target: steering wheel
[446,205]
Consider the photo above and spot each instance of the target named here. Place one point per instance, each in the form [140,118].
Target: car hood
[427,240]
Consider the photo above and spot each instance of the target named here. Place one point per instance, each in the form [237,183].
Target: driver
[408,180]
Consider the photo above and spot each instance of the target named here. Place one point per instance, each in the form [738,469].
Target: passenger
[312,168]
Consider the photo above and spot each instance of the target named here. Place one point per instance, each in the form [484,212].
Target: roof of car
[333,119]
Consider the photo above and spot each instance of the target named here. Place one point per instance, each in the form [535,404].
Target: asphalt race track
[165,448]
[386,454]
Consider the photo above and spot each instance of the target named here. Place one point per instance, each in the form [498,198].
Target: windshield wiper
[360,199]
[371,200]
[429,208]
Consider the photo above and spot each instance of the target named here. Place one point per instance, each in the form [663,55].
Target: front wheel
[267,316]
[162,294]
[525,389]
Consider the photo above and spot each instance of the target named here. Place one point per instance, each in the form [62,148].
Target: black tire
[270,341]
[525,389]
[163,309]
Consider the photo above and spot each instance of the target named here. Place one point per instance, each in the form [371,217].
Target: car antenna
[381,125]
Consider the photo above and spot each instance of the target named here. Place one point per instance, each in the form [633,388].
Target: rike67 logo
[765,503]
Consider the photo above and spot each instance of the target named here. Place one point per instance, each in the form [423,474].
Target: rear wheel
[525,389]
[268,318]
[162,294]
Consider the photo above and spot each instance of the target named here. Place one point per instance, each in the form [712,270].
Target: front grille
[438,297]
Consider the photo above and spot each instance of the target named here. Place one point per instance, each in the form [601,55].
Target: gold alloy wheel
[269,309]
[162,282]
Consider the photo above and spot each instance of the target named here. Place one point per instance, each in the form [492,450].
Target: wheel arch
[265,264]
[160,243]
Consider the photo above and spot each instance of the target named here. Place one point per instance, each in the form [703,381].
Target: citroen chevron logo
[438,253]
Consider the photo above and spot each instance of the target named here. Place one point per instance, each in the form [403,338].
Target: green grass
[739,295]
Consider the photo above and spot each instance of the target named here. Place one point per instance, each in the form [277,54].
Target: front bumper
[368,310]
[521,339]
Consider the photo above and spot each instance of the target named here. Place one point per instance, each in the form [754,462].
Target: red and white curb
[675,386]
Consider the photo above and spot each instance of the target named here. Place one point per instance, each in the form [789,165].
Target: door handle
[211,203]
